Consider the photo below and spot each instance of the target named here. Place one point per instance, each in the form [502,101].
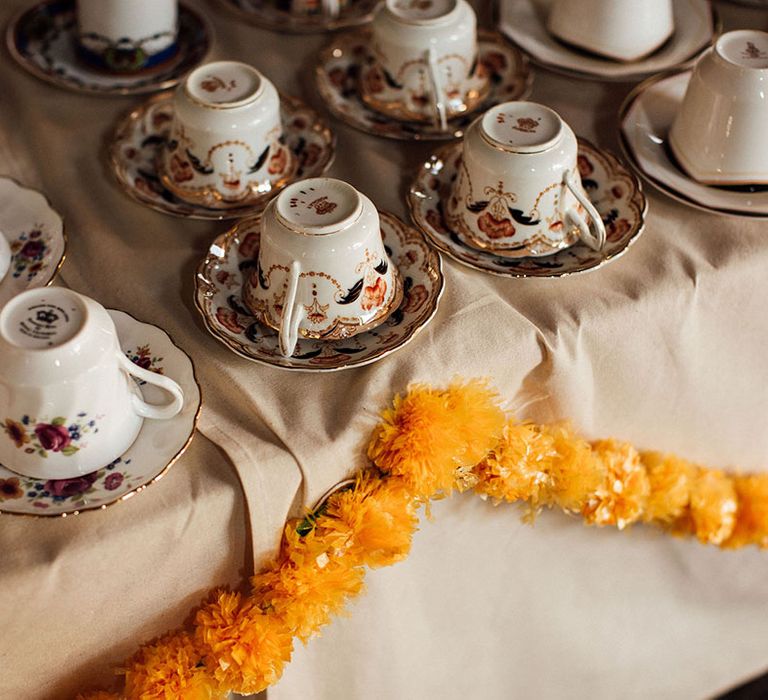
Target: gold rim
[168,465]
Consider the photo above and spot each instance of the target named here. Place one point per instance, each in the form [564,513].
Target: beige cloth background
[665,347]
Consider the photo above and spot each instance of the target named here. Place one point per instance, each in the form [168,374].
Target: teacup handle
[289,325]
[594,234]
[433,69]
[147,410]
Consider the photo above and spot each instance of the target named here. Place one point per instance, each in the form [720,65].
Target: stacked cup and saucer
[521,196]
[322,281]
[419,72]
[219,147]
[94,405]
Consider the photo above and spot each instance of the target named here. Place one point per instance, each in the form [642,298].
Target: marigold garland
[427,444]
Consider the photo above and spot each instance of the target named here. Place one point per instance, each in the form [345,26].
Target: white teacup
[5,256]
[323,271]
[126,36]
[226,140]
[68,404]
[623,30]
[424,61]
[519,191]
[720,133]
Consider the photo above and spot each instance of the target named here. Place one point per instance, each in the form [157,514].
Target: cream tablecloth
[665,347]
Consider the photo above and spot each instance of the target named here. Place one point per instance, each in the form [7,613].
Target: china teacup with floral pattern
[519,192]
[226,141]
[68,403]
[322,271]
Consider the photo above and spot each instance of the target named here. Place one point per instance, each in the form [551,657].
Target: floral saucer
[219,282]
[42,38]
[524,22]
[339,66]
[141,134]
[158,446]
[35,234]
[646,118]
[268,14]
[615,191]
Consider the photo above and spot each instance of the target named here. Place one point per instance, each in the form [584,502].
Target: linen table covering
[665,347]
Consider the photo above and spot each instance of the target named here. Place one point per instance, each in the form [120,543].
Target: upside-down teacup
[519,192]
[720,133]
[424,62]
[68,401]
[623,30]
[226,140]
[322,271]
[126,36]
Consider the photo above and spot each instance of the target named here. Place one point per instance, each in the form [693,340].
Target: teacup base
[105,64]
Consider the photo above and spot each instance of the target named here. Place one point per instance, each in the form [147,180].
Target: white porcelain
[68,405]
[5,256]
[720,134]
[424,60]
[128,35]
[519,192]
[323,271]
[327,8]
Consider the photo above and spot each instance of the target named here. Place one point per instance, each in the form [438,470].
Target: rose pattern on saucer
[56,435]
[29,251]
[143,357]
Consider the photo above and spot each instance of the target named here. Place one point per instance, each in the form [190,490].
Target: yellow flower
[713,506]
[17,432]
[752,516]
[670,478]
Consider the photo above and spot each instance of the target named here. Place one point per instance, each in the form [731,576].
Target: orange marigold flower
[713,506]
[10,488]
[670,478]
[752,515]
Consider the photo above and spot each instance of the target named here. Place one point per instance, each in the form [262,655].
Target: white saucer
[265,13]
[219,281]
[646,118]
[158,446]
[614,190]
[139,136]
[35,234]
[524,21]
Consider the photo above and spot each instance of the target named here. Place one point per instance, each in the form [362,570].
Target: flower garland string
[428,444]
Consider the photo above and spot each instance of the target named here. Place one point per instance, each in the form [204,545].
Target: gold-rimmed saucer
[266,14]
[218,296]
[134,148]
[156,449]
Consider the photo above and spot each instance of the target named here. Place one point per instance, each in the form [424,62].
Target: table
[664,348]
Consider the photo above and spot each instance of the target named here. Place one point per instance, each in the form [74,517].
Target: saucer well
[524,22]
[615,191]
[42,38]
[158,446]
[338,70]
[265,13]
[135,145]
[35,234]
[219,283]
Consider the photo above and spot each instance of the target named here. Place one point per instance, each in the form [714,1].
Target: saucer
[139,136]
[42,38]
[158,446]
[265,14]
[339,66]
[35,233]
[524,21]
[615,191]
[220,278]
[646,118]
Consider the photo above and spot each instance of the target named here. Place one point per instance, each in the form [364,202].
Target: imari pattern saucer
[219,283]
[339,67]
[158,446]
[524,22]
[273,14]
[35,235]
[135,147]
[614,190]
[646,118]
[43,40]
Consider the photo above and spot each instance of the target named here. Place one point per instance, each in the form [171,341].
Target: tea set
[313,276]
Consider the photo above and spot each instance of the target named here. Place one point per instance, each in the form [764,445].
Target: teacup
[328,8]
[622,30]
[68,403]
[226,139]
[5,256]
[720,133]
[424,62]
[127,36]
[519,192]
[322,271]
